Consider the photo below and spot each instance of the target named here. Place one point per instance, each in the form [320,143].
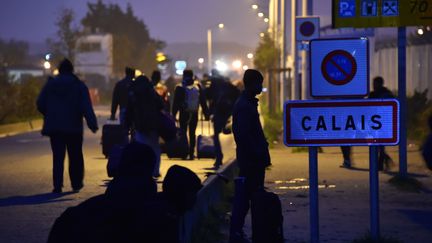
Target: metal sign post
[374,192]
[313,194]
[364,122]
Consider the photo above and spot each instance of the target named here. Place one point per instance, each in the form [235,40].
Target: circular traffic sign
[339,67]
[307,28]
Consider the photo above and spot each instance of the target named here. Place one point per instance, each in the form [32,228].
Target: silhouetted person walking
[142,116]
[64,101]
[381,92]
[252,152]
[222,95]
[120,95]
[187,98]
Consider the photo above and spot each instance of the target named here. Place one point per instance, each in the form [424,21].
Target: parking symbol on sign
[347,8]
[390,8]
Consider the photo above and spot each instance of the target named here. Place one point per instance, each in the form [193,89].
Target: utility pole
[307,9]
[294,79]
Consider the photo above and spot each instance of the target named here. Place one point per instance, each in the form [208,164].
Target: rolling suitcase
[205,143]
[112,134]
[178,147]
[267,218]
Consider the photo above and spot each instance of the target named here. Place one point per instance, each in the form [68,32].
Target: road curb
[209,195]
[20,127]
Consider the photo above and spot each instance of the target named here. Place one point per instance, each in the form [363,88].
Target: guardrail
[210,194]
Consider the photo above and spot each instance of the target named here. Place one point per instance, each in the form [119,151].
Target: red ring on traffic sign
[329,59]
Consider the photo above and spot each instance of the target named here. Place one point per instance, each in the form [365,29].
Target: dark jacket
[129,211]
[222,95]
[120,94]
[381,93]
[179,100]
[252,147]
[144,107]
[64,101]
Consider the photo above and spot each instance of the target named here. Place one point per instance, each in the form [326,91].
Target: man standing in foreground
[252,152]
[64,101]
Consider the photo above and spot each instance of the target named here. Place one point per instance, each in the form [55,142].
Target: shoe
[346,164]
[191,157]
[77,189]
[57,190]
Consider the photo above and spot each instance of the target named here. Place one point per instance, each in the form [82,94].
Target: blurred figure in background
[187,98]
[120,95]
[64,101]
[381,92]
[143,116]
[161,89]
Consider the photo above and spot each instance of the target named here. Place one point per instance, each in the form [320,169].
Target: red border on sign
[336,95]
[328,59]
[353,141]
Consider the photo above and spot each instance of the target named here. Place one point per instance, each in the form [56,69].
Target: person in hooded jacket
[64,101]
[131,210]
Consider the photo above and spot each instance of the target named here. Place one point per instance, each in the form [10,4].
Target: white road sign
[341,122]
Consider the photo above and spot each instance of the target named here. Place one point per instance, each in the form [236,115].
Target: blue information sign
[347,8]
[390,8]
[339,67]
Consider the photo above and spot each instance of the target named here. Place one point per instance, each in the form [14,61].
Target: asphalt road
[27,206]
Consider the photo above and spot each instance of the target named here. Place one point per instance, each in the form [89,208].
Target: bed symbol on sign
[338,67]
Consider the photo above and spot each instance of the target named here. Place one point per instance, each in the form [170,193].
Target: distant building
[94,58]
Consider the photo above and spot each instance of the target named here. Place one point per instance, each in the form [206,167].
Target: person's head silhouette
[253,80]
[129,72]
[65,67]
[137,160]
[378,83]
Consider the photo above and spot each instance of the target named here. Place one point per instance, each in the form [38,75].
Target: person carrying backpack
[187,98]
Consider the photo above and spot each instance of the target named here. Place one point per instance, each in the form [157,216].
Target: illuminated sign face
[341,122]
[381,13]
[339,67]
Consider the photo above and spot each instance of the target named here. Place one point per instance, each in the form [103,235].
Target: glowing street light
[260,14]
[245,67]
[420,31]
[237,64]
[47,65]
[200,60]
[254,7]
[209,45]
[250,55]
[262,35]
[266,20]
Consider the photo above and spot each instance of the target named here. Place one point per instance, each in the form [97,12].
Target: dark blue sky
[168,20]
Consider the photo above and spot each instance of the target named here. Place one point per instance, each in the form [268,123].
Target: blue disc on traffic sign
[338,67]
[307,28]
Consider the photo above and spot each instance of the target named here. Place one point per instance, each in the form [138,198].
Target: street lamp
[209,46]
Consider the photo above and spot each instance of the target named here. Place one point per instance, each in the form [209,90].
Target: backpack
[192,94]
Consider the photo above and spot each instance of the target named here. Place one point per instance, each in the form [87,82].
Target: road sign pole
[402,100]
[374,192]
[313,194]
